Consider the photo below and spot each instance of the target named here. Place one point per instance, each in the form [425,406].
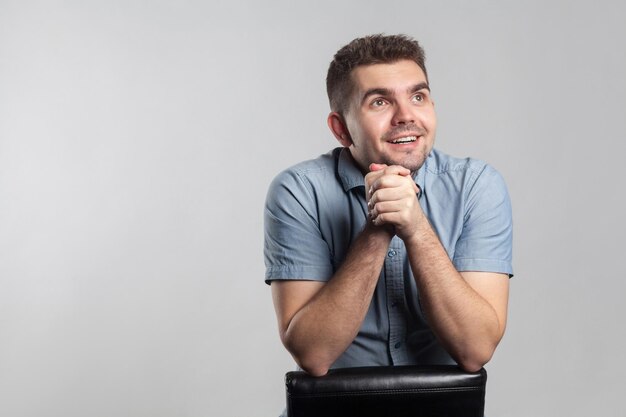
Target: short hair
[368,50]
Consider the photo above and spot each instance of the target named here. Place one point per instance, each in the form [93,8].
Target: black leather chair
[394,391]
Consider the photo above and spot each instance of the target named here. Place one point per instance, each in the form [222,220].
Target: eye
[419,97]
[378,102]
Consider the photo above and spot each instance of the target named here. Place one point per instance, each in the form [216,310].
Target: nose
[403,114]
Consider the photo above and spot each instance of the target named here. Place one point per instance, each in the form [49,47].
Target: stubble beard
[410,161]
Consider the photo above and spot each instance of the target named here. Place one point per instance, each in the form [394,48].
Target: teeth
[407,139]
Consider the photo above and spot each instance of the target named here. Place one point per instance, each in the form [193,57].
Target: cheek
[432,118]
[376,127]
[369,128]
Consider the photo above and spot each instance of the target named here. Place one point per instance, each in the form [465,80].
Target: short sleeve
[293,244]
[486,241]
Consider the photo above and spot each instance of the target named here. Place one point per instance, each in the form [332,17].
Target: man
[387,251]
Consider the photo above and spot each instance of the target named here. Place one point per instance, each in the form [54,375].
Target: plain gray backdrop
[137,141]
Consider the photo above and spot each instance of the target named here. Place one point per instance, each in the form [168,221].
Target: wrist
[420,234]
[384,232]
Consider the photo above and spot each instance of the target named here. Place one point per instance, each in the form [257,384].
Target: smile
[406,139]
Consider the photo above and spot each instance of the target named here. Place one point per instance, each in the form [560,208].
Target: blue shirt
[316,209]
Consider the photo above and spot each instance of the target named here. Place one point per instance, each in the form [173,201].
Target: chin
[412,163]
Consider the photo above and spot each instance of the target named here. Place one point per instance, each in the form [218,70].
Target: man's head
[374,49]
[380,101]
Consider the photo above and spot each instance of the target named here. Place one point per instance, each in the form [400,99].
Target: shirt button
[392,253]
[397,345]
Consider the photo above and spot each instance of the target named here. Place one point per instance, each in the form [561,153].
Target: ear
[339,129]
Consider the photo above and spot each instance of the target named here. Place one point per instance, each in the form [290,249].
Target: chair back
[387,391]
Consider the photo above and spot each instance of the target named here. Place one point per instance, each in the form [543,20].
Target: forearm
[325,326]
[467,313]
[465,323]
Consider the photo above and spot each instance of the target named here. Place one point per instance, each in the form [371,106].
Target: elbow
[471,367]
[311,362]
[313,369]
[308,360]
[474,361]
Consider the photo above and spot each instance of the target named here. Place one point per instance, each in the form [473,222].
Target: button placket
[395,298]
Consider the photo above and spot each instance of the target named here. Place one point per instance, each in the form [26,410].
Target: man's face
[391,117]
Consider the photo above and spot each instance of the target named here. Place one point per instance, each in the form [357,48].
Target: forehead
[393,76]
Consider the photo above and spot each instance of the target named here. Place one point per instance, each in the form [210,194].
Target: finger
[370,179]
[392,181]
[392,219]
[387,177]
[393,194]
[397,170]
[378,221]
[376,170]
[377,167]
[387,207]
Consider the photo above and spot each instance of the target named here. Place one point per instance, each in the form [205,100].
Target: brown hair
[373,49]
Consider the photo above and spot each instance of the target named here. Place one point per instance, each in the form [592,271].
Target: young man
[386,251]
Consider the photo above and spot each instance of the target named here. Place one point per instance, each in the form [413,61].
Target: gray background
[137,141]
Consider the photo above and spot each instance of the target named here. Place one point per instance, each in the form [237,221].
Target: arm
[467,311]
[317,321]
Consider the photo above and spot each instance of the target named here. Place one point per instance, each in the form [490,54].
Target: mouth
[403,140]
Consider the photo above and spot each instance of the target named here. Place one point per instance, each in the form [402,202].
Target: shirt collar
[352,177]
[349,172]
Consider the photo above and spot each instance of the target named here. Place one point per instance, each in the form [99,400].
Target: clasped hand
[391,199]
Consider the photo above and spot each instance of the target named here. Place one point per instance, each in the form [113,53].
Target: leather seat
[394,391]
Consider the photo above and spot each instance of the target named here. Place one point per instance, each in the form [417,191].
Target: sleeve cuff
[483,265]
[293,272]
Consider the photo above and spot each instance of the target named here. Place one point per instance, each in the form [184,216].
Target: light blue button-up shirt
[316,209]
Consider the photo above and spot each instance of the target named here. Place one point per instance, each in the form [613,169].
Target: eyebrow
[388,92]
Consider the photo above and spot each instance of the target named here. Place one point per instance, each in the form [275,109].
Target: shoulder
[311,170]
[469,171]
[305,181]
[440,163]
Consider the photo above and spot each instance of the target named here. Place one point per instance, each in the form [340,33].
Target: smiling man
[386,251]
